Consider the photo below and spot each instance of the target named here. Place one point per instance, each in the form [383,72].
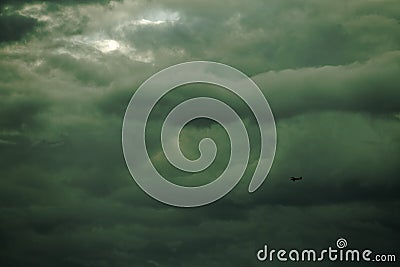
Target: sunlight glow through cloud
[107,45]
[152,19]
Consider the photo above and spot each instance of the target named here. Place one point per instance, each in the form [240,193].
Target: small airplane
[296,178]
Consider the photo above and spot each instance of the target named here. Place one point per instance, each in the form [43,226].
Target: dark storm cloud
[61,2]
[359,162]
[277,34]
[15,27]
[329,70]
[370,87]
[19,112]
[19,106]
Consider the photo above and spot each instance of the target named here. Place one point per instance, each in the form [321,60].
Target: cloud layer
[330,71]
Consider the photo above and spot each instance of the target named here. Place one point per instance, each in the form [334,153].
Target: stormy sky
[329,69]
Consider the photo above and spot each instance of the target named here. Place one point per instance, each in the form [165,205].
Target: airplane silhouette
[296,178]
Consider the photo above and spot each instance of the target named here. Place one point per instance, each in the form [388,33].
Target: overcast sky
[329,69]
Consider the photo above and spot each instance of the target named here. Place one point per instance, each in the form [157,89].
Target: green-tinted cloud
[328,69]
